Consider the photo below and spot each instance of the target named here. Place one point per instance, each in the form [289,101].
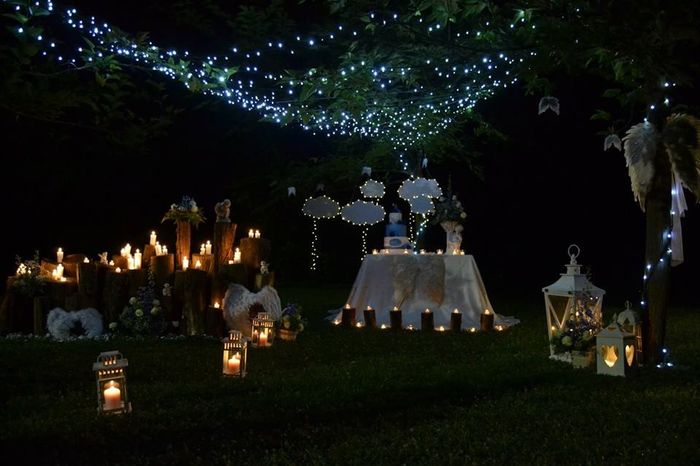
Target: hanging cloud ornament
[372,188]
[321,207]
[425,162]
[548,103]
[363,213]
[612,140]
[421,205]
[640,149]
[367,171]
[418,187]
[291,191]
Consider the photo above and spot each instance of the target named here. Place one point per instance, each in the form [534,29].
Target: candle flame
[396,308]
[487,312]
[347,306]
[456,311]
[427,311]
[217,305]
[118,270]
[369,308]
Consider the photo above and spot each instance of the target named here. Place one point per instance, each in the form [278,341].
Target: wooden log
[487,322]
[206,261]
[120,261]
[427,321]
[194,286]
[70,264]
[163,269]
[137,279]
[87,285]
[61,294]
[370,318]
[116,295]
[222,248]
[215,321]
[347,319]
[148,252]
[395,319]
[41,312]
[263,280]
[253,251]
[183,231]
[456,321]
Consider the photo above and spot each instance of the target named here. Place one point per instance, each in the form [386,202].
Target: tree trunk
[658,224]
[224,234]
[87,285]
[163,268]
[182,245]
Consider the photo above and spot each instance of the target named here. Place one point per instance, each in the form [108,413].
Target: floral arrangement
[143,315]
[448,209]
[28,279]
[580,330]
[187,211]
[291,319]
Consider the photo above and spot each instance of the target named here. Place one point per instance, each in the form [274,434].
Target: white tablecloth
[414,282]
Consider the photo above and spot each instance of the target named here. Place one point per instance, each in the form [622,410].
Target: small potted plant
[290,323]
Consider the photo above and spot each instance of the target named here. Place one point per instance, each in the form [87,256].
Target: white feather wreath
[640,149]
[60,322]
[238,301]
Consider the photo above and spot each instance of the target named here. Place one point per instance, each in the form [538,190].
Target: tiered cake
[395,233]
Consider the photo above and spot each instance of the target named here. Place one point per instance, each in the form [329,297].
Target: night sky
[550,185]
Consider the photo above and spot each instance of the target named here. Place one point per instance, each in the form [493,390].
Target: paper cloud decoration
[410,189]
[362,213]
[321,207]
[421,205]
[372,188]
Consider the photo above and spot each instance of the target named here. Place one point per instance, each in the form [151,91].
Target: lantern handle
[573,255]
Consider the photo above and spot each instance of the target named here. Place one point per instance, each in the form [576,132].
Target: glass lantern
[263,330]
[235,355]
[617,353]
[565,297]
[110,371]
[629,321]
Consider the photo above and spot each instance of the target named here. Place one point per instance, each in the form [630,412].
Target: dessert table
[414,282]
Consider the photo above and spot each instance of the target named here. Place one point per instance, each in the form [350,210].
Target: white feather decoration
[612,140]
[60,323]
[238,301]
[640,150]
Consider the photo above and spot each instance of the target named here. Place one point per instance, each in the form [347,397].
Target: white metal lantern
[563,297]
[110,372]
[617,353]
[629,321]
[235,355]
[263,330]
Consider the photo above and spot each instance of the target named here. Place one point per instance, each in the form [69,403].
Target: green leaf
[601,115]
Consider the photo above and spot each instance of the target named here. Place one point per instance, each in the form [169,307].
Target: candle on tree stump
[370,317]
[207,248]
[198,265]
[165,249]
[395,318]
[427,320]
[456,321]
[348,316]
[59,255]
[86,261]
[487,321]
[202,249]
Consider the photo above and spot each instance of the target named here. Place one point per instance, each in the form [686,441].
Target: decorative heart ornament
[609,354]
[629,354]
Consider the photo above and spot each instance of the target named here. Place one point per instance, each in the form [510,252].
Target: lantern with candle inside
[262,331]
[456,321]
[348,316]
[395,318]
[617,353]
[370,317]
[629,321]
[571,293]
[427,320]
[110,372]
[235,355]
[487,320]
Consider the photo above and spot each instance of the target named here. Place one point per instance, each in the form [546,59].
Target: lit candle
[137,259]
[456,311]
[347,306]
[208,247]
[262,341]
[59,271]
[439,251]
[185,263]
[202,249]
[111,263]
[234,364]
[127,250]
[198,264]
[217,305]
[236,256]
[456,320]
[59,255]
[112,395]
[86,260]
[118,270]
[230,262]
[405,251]
[422,251]
[487,320]
[64,279]
[165,249]
[153,241]
[374,251]
[131,262]
[395,308]
[257,234]
[251,233]
[159,249]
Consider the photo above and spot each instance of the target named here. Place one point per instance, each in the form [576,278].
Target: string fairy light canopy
[401,98]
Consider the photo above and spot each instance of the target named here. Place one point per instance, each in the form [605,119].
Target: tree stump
[222,248]
[207,261]
[233,273]
[215,321]
[63,294]
[116,295]
[16,311]
[163,268]
[70,264]
[194,299]
[183,231]
[148,252]
[253,251]
[41,312]
[120,261]
[87,285]
[137,279]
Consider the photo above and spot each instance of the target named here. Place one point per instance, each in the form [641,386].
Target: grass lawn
[353,396]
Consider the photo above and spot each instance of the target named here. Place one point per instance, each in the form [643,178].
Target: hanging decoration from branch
[372,189]
[640,149]
[363,213]
[612,140]
[418,187]
[548,103]
[321,207]
[421,205]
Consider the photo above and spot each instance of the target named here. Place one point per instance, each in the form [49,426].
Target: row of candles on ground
[110,367]
[455,252]
[348,319]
